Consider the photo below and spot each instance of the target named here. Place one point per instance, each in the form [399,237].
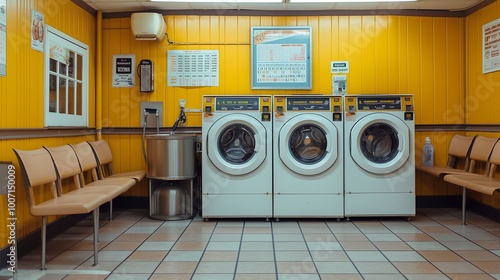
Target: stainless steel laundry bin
[171,172]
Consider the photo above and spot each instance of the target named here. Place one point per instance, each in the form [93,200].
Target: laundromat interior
[430,60]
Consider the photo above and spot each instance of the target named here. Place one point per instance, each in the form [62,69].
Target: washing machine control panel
[379,102]
[213,104]
[283,104]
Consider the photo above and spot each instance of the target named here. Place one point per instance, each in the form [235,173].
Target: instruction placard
[491,46]
[193,68]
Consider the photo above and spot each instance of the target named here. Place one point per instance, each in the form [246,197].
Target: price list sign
[193,68]
[491,46]
[281,57]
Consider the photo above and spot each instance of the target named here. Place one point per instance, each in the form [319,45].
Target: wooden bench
[479,153]
[88,164]
[105,163]
[458,151]
[70,164]
[39,173]
[486,184]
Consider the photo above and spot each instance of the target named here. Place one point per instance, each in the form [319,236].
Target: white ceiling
[109,6]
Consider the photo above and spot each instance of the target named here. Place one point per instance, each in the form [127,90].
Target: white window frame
[52,37]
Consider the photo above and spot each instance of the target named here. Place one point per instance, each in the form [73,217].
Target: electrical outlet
[182,103]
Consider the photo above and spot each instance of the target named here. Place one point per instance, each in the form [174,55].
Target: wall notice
[37,30]
[123,70]
[491,46]
[193,68]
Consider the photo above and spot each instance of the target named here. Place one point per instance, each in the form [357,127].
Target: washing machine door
[308,144]
[236,144]
[380,143]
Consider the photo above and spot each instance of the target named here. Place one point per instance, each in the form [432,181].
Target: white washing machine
[307,156]
[237,156]
[379,155]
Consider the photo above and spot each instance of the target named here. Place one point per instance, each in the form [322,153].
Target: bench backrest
[86,158]
[38,171]
[459,148]
[481,151]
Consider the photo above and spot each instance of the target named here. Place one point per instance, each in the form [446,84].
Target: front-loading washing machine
[237,156]
[307,161]
[379,155]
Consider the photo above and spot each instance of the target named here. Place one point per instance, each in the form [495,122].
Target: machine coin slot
[409,116]
[265,108]
[266,117]
[336,108]
[350,108]
[409,108]
[145,72]
[337,117]
[279,109]
[208,109]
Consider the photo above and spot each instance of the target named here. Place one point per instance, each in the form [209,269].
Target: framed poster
[491,46]
[123,70]
[281,57]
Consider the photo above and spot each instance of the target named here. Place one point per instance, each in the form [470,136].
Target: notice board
[281,57]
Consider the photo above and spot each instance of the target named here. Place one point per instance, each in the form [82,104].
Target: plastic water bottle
[428,153]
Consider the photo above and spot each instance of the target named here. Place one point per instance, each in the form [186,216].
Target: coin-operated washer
[171,173]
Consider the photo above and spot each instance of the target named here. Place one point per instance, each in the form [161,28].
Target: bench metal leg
[111,210]
[44,242]
[95,215]
[464,198]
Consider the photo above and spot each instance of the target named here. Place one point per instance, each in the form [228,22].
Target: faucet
[181,119]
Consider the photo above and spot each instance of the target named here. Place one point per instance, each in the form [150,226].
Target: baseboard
[439,201]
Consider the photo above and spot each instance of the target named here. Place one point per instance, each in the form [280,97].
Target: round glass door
[380,143]
[308,144]
[236,144]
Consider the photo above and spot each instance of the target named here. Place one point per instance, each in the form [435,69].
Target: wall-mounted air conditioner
[148,26]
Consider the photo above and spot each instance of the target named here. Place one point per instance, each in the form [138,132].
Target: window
[66,76]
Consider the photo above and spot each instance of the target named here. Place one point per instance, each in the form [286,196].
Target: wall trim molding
[33,133]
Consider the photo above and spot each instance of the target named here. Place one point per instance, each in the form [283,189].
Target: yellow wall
[482,98]
[21,91]
[423,56]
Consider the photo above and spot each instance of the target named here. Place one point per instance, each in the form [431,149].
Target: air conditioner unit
[148,26]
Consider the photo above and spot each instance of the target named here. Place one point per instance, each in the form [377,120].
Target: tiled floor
[433,245]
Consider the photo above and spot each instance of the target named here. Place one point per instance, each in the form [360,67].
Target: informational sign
[37,30]
[193,68]
[491,46]
[339,84]
[58,52]
[123,70]
[3,37]
[339,67]
[281,57]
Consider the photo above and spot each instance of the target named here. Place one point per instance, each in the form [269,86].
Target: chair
[483,183]
[88,163]
[105,159]
[38,171]
[458,150]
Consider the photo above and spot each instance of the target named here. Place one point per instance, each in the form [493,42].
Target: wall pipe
[98,77]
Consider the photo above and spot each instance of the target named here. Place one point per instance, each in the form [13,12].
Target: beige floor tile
[176,267]
[295,267]
[350,237]
[478,276]
[163,236]
[147,256]
[391,246]
[252,276]
[122,246]
[481,255]
[255,267]
[326,276]
[255,256]
[440,256]
[490,267]
[170,276]
[216,267]
[223,256]
[417,237]
[190,245]
[456,267]
[416,267]
[133,237]
[355,245]
[85,277]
